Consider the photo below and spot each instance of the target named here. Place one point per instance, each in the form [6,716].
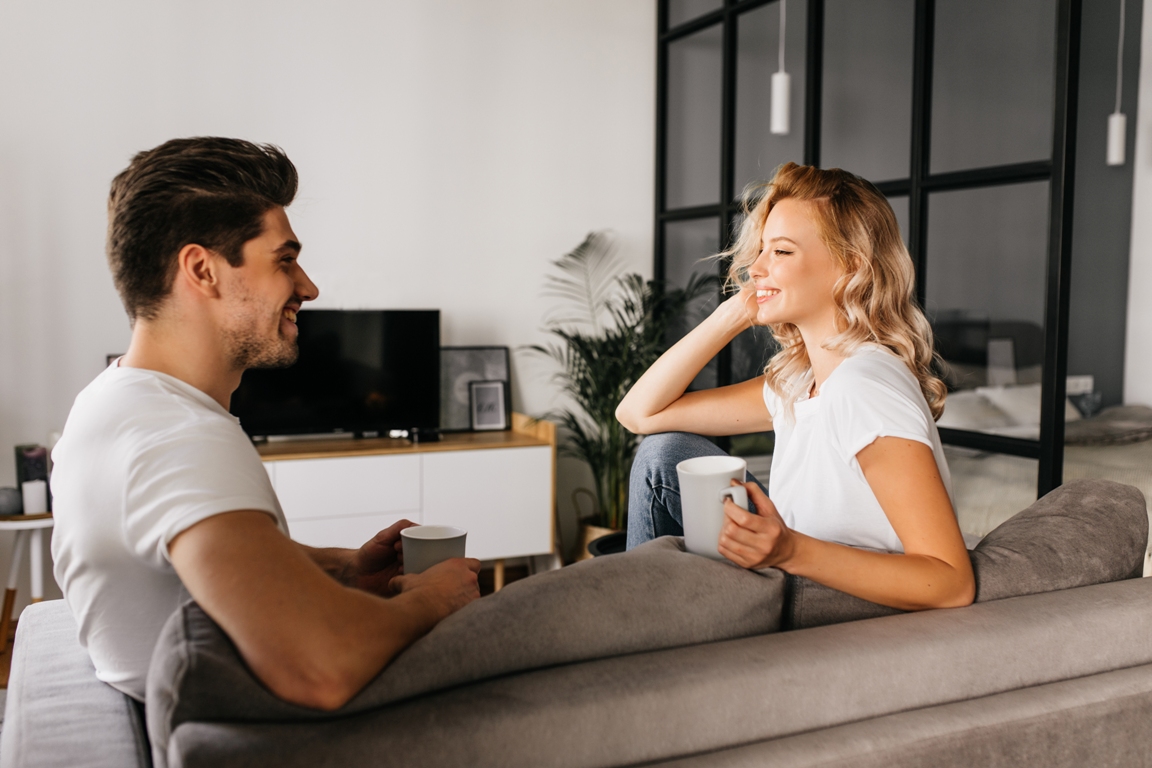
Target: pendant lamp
[1117,122]
[781,86]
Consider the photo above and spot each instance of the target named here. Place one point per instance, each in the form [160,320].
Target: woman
[851,396]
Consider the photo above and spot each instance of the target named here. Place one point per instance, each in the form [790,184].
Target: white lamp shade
[1117,129]
[781,97]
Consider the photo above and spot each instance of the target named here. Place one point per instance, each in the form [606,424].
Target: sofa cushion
[1084,532]
[57,713]
[654,597]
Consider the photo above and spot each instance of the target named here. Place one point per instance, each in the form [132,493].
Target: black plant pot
[612,544]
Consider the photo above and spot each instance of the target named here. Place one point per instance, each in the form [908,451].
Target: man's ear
[198,268]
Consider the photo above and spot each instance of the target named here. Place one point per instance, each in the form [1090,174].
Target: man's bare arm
[310,639]
[334,561]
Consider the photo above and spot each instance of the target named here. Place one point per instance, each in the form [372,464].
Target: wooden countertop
[525,433]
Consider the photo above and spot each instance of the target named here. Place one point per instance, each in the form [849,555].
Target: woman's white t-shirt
[816,482]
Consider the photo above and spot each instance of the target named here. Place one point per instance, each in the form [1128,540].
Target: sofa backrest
[648,708]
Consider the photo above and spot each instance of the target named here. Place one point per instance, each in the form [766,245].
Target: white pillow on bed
[1022,403]
[968,409]
[1012,411]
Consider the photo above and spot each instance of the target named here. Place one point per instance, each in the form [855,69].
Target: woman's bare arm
[658,401]
[933,572]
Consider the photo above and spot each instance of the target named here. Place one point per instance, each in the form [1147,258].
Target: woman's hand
[755,540]
[740,308]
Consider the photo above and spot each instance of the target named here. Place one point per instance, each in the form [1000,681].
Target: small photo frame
[487,403]
[460,366]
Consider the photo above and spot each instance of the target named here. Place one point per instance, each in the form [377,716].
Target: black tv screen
[359,371]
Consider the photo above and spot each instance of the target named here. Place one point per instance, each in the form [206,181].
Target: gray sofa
[657,657]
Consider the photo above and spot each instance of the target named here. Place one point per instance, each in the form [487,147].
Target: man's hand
[755,540]
[373,566]
[444,588]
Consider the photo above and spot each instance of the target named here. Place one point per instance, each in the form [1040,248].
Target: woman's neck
[823,360]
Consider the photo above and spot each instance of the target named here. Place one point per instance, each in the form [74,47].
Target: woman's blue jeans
[654,488]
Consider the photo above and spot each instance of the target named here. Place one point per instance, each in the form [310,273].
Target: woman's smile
[765,294]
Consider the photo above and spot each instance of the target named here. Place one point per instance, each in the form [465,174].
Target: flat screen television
[361,372]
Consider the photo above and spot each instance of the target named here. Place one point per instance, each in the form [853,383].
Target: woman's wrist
[794,550]
[732,315]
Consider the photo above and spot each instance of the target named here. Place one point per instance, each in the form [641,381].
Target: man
[158,492]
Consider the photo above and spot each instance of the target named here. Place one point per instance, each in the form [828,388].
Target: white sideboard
[499,486]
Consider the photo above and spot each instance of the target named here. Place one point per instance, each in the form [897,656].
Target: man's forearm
[334,561]
[311,640]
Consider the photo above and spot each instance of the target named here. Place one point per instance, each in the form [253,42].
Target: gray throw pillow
[1084,532]
[654,597]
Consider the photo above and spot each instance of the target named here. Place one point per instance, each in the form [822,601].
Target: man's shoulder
[133,406]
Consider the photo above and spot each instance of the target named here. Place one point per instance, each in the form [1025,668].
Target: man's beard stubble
[247,349]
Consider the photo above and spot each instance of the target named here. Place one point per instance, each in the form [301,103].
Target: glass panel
[992,82]
[758,151]
[751,351]
[989,488]
[900,208]
[986,265]
[694,86]
[866,126]
[685,244]
[680,11]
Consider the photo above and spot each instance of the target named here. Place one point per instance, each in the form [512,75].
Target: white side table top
[25,522]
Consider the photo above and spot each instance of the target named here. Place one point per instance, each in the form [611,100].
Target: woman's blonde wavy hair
[874,296]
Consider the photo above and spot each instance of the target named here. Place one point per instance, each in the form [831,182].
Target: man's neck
[190,354]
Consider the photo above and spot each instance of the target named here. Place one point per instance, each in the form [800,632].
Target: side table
[29,535]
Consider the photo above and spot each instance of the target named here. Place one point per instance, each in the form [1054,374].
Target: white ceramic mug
[704,483]
[427,545]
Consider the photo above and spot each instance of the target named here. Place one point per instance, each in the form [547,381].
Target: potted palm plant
[608,328]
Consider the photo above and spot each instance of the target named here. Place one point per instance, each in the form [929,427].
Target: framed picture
[460,366]
[487,400]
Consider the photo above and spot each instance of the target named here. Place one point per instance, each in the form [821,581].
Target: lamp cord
[783,10]
[1119,58]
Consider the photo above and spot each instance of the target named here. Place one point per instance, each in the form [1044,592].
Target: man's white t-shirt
[816,482]
[144,456]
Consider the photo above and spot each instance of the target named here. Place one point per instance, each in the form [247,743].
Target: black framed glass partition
[960,111]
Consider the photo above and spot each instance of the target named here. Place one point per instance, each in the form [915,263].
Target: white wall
[448,150]
[1138,345]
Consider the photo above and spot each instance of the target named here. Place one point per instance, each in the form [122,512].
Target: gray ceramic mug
[427,545]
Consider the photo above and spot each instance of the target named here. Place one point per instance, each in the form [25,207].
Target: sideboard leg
[498,576]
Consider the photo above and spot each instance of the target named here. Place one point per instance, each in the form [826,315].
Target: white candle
[35,497]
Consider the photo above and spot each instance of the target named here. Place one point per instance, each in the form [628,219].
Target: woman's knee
[667,449]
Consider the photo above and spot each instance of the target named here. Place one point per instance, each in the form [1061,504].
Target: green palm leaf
[608,329]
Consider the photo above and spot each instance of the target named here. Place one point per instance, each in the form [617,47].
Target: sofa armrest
[57,712]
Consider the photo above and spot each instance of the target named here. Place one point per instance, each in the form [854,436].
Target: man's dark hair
[209,191]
